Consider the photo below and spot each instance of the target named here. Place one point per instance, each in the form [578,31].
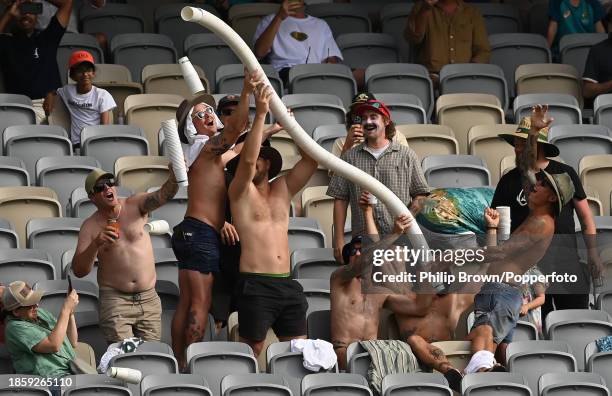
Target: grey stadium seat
[326,135]
[13,172]
[324,78]
[28,265]
[404,108]
[147,363]
[15,98]
[455,171]
[8,386]
[8,236]
[112,20]
[569,384]
[313,263]
[598,362]
[576,141]
[173,384]
[313,110]
[342,18]
[474,78]
[15,114]
[393,21]
[406,78]
[56,290]
[574,48]
[563,108]
[64,174]
[319,325]
[358,359]
[166,265]
[244,18]
[75,42]
[328,384]
[229,78]
[602,106]
[90,332]
[216,359]
[254,383]
[317,294]
[55,235]
[500,18]
[90,384]
[209,52]
[501,384]
[305,233]
[106,143]
[136,50]
[421,383]
[360,50]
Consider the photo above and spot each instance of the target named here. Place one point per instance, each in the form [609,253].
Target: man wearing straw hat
[562,255]
[196,240]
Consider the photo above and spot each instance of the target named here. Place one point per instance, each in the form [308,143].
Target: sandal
[454,377]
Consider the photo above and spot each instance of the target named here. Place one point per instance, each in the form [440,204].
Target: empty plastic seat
[168,22]
[326,135]
[87,384]
[510,50]
[455,171]
[458,353]
[317,294]
[602,106]
[564,108]
[172,211]
[31,142]
[305,233]
[168,79]
[15,98]
[75,42]
[147,363]
[393,18]
[8,236]
[319,325]
[254,383]
[15,114]
[28,265]
[501,384]
[316,204]
[324,78]
[574,48]
[500,18]
[136,50]
[334,383]
[475,78]
[313,263]
[13,172]
[401,78]
[244,18]
[112,20]
[55,235]
[342,18]
[462,111]
[81,206]
[106,143]
[141,173]
[166,265]
[429,139]
[577,141]
[216,359]
[426,383]
[595,172]
[229,78]
[147,111]
[56,290]
[20,204]
[598,362]
[120,91]
[165,384]
[569,384]
[358,359]
[8,385]
[313,110]
[209,52]
[404,108]
[534,358]
[549,78]
[284,143]
[360,50]
[484,142]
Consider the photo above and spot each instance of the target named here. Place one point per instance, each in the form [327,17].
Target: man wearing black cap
[266,295]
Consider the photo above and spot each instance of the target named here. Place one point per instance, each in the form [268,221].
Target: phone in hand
[357,120]
[69,285]
[31,8]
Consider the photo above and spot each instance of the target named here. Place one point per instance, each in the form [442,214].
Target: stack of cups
[503,229]
[157,227]
[128,375]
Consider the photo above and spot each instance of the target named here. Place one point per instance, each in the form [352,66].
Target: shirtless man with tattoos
[115,234]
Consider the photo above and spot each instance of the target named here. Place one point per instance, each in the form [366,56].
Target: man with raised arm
[266,295]
[115,234]
[196,240]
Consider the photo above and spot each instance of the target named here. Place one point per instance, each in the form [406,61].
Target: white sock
[480,360]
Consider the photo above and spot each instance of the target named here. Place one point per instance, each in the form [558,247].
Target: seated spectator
[28,60]
[290,37]
[87,104]
[598,69]
[447,31]
[38,343]
[573,16]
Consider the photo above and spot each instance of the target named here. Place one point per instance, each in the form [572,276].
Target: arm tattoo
[218,144]
[156,199]
[436,353]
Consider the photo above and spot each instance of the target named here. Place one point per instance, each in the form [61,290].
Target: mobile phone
[357,120]
[69,285]
[31,8]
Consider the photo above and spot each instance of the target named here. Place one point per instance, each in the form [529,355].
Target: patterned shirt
[398,168]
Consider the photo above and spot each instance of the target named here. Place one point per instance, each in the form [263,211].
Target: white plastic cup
[372,200]
[504,213]
[128,375]
[190,75]
[157,227]
[503,229]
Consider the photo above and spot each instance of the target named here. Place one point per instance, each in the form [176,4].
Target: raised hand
[251,81]
[491,218]
[539,117]
[402,224]
[263,94]
[364,201]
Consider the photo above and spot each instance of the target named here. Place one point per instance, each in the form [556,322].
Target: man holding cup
[114,234]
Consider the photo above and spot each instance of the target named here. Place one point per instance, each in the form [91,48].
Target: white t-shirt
[287,51]
[85,109]
[376,152]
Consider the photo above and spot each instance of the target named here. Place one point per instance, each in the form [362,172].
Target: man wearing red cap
[396,166]
[87,104]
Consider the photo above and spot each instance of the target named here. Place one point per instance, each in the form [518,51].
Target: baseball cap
[78,57]
[374,105]
[265,152]
[563,187]
[93,177]
[227,100]
[20,294]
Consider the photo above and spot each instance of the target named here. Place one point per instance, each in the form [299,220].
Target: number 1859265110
[27,382]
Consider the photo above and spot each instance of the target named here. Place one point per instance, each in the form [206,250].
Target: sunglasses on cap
[99,187]
[201,114]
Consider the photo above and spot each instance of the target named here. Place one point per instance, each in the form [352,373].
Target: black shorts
[266,301]
[196,246]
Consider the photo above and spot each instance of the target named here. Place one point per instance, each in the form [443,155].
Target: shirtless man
[354,314]
[115,234]
[196,240]
[266,295]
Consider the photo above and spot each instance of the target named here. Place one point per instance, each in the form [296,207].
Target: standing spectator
[573,16]
[28,58]
[394,165]
[447,31]
[290,37]
[87,104]
[597,77]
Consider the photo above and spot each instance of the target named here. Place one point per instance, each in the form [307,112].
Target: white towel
[112,351]
[480,360]
[317,354]
[197,142]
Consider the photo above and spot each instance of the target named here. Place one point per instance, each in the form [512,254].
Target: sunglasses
[354,251]
[98,188]
[227,112]
[201,114]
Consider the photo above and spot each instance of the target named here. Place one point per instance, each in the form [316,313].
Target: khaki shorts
[125,315]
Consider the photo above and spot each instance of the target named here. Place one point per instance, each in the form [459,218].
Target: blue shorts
[196,246]
[499,306]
